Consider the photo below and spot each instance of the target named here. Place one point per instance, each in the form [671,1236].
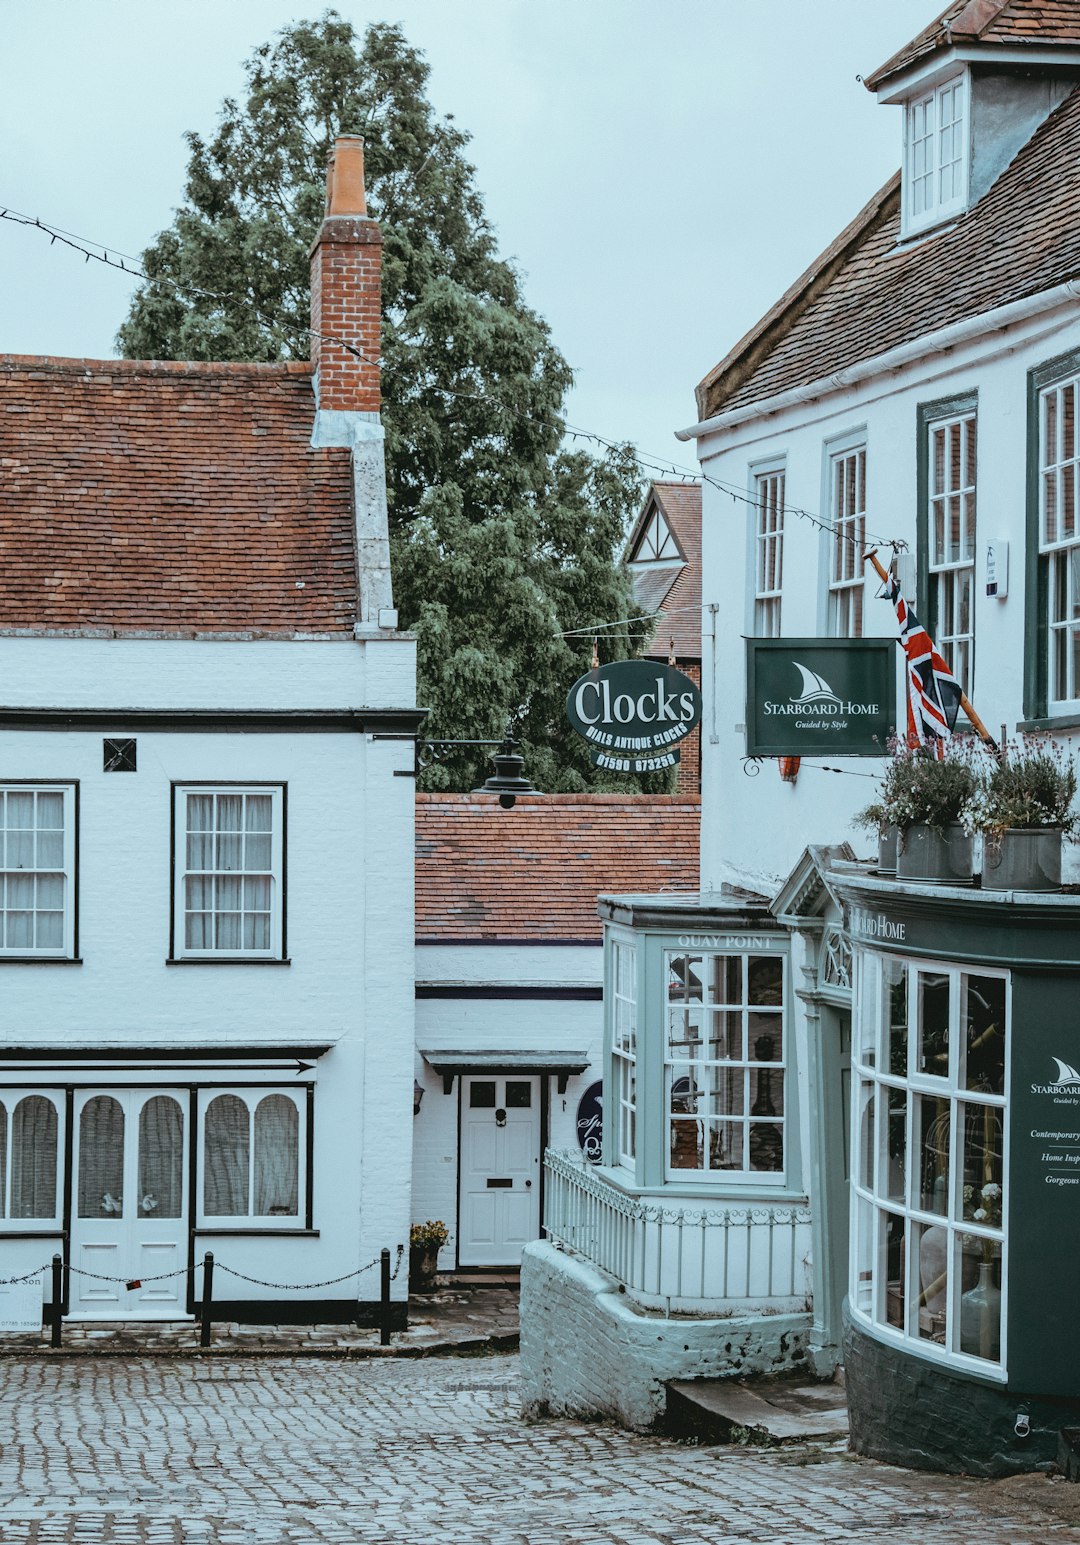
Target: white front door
[129,1204]
[500,1169]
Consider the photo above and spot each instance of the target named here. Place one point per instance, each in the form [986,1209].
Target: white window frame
[66,949]
[687,1066]
[181,793]
[10,1096]
[624,1051]
[934,152]
[1059,539]
[949,574]
[769,490]
[845,538]
[872,1201]
[251,1096]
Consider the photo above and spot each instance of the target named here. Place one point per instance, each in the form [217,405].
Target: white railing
[679,1256]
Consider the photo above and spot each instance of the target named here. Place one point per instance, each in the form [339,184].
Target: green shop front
[960,1348]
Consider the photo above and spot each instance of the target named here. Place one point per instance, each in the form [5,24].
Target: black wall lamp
[507,781]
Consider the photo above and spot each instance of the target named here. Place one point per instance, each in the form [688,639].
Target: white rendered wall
[754,828]
[349,914]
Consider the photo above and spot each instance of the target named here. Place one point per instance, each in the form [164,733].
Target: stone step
[762,1411]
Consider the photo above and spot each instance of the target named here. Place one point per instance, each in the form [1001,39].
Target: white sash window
[37,870]
[229,866]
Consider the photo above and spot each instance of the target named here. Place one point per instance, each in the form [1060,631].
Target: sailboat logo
[815,689]
[1066,1074]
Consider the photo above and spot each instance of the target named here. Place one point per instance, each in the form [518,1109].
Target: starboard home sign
[820,696]
[634,713]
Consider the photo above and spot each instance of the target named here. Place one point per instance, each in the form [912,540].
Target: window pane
[482,1094]
[933,1026]
[982,1196]
[766,1146]
[226,1161]
[34,1158]
[933,1119]
[765,974]
[277,1157]
[894,1181]
[983,1010]
[161,1158]
[518,1094]
[895,1254]
[932,1245]
[101,1158]
[894,985]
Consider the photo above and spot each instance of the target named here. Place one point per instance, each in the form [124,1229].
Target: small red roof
[170,497]
[1015,24]
[534,872]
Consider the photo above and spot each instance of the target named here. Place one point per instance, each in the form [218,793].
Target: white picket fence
[679,1256]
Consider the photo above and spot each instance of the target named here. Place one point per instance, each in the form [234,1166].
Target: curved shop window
[930,1211]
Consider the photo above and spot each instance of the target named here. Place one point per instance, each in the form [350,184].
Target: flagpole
[965,702]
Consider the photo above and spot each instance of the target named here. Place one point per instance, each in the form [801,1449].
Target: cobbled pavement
[158,1452]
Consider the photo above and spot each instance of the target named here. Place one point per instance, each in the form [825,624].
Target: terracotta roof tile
[987,23]
[1021,238]
[534,872]
[170,496]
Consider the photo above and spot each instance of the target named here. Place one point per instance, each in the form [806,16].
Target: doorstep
[764,1411]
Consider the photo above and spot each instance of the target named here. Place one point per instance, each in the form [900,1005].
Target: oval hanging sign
[634,714]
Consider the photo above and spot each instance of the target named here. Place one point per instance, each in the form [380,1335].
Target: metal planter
[927,854]
[1025,859]
[888,840]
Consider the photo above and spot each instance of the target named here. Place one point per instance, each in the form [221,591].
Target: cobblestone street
[165,1452]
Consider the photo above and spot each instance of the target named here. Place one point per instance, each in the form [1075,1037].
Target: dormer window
[936,154]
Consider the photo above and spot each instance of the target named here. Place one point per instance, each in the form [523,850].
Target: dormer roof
[988,26]
[663,555]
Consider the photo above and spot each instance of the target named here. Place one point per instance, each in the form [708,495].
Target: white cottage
[205,879]
[918,385]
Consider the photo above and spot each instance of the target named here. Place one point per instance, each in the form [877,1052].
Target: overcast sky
[658,170]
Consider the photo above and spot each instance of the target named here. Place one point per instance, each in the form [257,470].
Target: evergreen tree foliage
[502,540]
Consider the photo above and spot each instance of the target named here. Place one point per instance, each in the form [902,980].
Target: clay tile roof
[170,497]
[534,872]
[673,588]
[987,23]
[867,293]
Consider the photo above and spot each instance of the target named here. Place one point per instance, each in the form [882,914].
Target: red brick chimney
[346,293]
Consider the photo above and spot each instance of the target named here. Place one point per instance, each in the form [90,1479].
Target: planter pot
[423,1268]
[1025,859]
[888,839]
[925,853]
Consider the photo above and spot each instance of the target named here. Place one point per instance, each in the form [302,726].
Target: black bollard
[57,1299]
[384,1298]
[206,1318]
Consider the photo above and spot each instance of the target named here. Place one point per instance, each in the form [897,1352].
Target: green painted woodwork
[820,696]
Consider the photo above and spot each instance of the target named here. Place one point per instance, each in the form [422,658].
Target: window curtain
[276,1157]
[33,1158]
[101,1158]
[225,1161]
[161,1158]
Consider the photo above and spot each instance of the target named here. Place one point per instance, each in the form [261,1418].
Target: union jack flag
[934,694]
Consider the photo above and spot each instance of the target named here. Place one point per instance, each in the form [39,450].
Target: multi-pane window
[29,1146]
[37,869]
[847,540]
[928,1262]
[229,872]
[952,542]
[724,1058]
[1059,536]
[936,164]
[251,1155]
[624,1052]
[769,553]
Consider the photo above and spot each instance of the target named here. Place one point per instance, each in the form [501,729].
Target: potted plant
[1024,811]
[923,797]
[875,818]
[425,1241]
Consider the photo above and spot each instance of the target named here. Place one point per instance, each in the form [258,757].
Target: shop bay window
[624,1051]
[251,1157]
[725,1066]
[229,872]
[30,1126]
[928,1262]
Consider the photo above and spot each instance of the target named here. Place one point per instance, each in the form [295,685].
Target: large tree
[502,540]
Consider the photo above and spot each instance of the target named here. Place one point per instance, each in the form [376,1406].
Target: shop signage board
[1043,1194]
[820,696]
[20,1305]
[634,714]
[590,1122]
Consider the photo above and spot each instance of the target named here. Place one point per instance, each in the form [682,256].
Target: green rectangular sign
[820,696]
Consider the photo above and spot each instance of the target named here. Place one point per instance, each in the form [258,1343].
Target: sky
[659,171]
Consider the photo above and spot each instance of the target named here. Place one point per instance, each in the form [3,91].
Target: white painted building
[917,385]
[206,925]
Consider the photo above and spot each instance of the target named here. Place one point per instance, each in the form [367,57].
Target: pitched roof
[988,23]
[534,872]
[172,497]
[867,293]
[673,588]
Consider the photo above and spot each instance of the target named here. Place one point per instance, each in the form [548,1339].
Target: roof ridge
[975,18]
[78,366]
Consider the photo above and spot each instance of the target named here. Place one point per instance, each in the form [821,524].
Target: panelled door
[129,1203]
[499,1169]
